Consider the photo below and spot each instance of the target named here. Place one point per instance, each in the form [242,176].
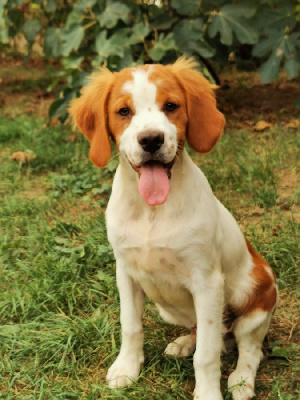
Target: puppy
[173,240]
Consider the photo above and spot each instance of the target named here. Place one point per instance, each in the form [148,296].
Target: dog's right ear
[89,113]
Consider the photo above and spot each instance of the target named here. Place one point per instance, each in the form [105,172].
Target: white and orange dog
[172,239]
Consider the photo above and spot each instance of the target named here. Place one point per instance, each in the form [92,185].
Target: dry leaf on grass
[72,138]
[262,126]
[293,124]
[22,156]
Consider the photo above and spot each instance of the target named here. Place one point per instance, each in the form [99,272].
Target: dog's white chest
[154,256]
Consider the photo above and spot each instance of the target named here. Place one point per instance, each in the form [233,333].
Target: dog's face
[149,112]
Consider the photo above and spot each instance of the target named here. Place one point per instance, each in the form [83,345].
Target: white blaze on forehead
[143,91]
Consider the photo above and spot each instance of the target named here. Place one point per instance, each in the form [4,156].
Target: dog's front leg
[127,366]
[208,301]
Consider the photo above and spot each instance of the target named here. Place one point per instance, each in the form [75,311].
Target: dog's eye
[170,107]
[124,111]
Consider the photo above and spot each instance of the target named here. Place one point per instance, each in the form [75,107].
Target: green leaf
[268,18]
[265,46]
[60,106]
[186,7]
[72,62]
[53,45]
[163,22]
[292,65]
[220,24]
[231,19]
[160,48]
[74,17]
[112,46]
[113,12]
[239,10]
[139,32]
[270,69]
[31,28]
[188,35]
[72,38]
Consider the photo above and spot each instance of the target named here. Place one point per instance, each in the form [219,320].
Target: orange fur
[206,123]
[89,114]
[265,292]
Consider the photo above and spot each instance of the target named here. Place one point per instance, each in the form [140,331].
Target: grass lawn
[59,308]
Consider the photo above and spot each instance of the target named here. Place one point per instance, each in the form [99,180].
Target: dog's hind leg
[249,331]
[182,346]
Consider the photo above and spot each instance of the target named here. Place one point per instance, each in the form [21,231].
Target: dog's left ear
[205,122]
[89,112]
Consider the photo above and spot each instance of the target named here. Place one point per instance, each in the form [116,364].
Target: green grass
[59,308]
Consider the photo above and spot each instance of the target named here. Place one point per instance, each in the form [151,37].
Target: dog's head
[149,112]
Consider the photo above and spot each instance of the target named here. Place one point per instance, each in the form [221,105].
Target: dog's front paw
[241,389]
[207,393]
[123,372]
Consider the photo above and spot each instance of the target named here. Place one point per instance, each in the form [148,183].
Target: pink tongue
[154,184]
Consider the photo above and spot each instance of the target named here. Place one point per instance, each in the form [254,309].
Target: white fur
[187,255]
[147,117]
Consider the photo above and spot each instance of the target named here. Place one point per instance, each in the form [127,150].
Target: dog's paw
[240,388]
[182,346]
[207,394]
[123,372]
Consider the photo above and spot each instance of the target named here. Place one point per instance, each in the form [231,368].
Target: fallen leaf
[293,124]
[262,126]
[22,157]
[71,138]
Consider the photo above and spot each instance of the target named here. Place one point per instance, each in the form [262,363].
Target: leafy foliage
[86,34]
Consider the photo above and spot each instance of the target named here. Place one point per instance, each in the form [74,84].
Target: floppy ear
[90,114]
[205,122]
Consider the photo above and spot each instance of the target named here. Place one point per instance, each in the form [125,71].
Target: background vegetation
[89,33]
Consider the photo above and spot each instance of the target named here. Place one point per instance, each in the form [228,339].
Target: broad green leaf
[227,21]
[139,32]
[292,65]
[161,47]
[270,18]
[163,22]
[125,61]
[72,37]
[188,35]
[53,42]
[185,7]
[31,28]
[265,46]
[60,106]
[113,12]
[239,10]
[112,46]
[220,24]
[270,69]
[72,62]
[74,17]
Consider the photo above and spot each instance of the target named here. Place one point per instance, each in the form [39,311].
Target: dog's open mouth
[154,181]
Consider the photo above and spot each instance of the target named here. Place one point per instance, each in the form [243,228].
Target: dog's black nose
[151,141]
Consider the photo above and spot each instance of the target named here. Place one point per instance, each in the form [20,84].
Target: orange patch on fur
[264,294]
